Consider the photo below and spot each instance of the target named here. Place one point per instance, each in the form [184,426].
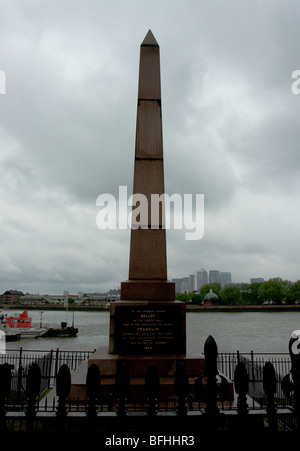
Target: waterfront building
[11,296]
[257,280]
[211,298]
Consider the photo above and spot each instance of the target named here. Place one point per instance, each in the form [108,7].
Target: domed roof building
[211,298]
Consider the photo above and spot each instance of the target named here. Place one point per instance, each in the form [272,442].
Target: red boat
[22,322]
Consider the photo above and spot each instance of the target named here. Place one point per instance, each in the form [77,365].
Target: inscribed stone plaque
[149,329]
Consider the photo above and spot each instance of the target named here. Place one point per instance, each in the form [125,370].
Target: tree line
[273,291]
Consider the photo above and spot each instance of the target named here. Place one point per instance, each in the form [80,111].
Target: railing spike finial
[211,354]
[63,381]
[241,385]
[93,382]
[269,386]
[63,388]
[33,385]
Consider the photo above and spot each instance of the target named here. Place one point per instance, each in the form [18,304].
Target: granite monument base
[141,333]
[137,366]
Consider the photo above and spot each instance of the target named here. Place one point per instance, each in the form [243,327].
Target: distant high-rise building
[192,282]
[177,285]
[257,280]
[202,278]
[214,276]
[185,285]
[182,285]
[225,279]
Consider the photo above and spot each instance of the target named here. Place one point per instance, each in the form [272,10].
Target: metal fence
[254,363]
[266,395]
[49,363]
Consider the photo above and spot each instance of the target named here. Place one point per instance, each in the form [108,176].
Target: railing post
[181,383]
[93,383]
[20,376]
[5,387]
[56,362]
[33,385]
[50,368]
[20,356]
[211,371]
[252,365]
[122,388]
[63,388]
[152,388]
[241,384]
[269,386]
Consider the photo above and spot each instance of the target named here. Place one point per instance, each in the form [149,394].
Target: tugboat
[21,324]
[63,331]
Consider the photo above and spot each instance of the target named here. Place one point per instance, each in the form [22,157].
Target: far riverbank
[243,308]
[189,308]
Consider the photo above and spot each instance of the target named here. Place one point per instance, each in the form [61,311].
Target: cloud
[67,135]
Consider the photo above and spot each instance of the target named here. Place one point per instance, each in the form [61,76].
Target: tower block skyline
[148,252]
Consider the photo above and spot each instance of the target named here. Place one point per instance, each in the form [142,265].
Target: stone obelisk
[147,319]
[147,325]
[148,256]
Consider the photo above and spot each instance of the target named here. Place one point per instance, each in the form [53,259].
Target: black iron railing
[254,363]
[266,395]
[49,363]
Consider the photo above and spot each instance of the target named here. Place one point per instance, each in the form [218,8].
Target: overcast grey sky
[230,124]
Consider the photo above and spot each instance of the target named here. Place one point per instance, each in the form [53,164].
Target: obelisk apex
[148,255]
[149,40]
[149,76]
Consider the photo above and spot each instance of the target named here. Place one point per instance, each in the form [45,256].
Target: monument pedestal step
[137,366]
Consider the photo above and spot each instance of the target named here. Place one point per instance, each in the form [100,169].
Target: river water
[245,331]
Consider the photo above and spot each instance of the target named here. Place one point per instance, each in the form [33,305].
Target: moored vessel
[21,324]
[63,331]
